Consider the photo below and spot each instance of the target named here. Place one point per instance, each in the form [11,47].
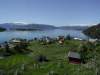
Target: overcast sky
[53,12]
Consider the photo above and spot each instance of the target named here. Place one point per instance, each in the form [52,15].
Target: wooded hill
[93,31]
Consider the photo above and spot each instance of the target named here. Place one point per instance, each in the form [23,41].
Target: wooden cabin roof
[74,55]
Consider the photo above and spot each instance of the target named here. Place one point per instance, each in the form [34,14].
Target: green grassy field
[56,54]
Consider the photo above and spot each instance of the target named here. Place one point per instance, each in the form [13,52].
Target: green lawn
[58,62]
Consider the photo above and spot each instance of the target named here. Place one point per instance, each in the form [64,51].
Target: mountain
[93,31]
[74,27]
[20,26]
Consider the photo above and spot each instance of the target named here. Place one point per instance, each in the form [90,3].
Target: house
[45,40]
[15,40]
[74,57]
[77,39]
[92,40]
[11,46]
[48,39]
[60,39]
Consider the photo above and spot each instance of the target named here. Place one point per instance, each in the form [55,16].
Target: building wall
[74,60]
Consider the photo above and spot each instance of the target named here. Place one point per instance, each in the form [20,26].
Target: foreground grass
[58,63]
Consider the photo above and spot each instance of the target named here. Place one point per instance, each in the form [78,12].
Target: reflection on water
[7,35]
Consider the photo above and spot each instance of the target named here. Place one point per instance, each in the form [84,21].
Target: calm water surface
[7,35]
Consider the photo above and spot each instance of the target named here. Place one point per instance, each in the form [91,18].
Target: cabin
[74,57]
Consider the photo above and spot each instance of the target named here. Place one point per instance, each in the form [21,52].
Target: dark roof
[74,55]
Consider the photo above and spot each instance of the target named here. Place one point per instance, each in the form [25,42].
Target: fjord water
[7,35]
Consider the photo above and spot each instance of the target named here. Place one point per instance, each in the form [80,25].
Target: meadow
[57,64]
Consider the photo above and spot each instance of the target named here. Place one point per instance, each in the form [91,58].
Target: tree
[83,53]
[7,47]
[21,47]
[68,37]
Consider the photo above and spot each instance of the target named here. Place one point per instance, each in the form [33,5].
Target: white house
[92,40]
[77,39]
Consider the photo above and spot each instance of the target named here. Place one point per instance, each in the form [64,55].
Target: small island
[2,29]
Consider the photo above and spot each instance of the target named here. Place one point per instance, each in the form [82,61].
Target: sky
[52,12]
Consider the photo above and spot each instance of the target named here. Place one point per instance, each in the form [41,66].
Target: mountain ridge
[73,27]
[21,26]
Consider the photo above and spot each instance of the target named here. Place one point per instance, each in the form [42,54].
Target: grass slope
[55,53]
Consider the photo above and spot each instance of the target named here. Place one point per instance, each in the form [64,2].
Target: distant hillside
[20,26]
[93,31]
[29,27]
[74,27]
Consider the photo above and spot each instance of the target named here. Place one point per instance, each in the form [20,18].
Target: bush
[41,58]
